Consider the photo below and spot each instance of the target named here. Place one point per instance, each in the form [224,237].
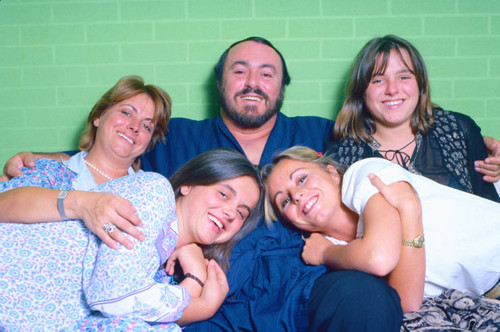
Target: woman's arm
[380,250]
[477,151]
[192,262]
[36,204]
[408,277]
[377,252]
[29,205]
[32,197]
[212,295]
[122,282]
[12,167]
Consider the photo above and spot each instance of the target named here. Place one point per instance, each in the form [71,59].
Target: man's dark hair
[219,67]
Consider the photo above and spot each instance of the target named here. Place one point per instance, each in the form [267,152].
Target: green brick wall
[58,56]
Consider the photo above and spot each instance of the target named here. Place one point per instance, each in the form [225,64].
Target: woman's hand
[315,248]
[191,259]
[216,287]
[96,209]
[490,167]
[400,194]
[12,167]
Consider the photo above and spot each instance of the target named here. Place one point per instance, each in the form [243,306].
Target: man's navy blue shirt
[269,283]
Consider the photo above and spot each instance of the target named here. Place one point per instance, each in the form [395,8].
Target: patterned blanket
[454,311]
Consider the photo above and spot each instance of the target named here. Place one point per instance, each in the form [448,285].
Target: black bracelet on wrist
[195,278]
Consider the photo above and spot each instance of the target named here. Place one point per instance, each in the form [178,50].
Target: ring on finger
[109,227]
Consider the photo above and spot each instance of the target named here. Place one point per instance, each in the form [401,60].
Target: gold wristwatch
[417,242]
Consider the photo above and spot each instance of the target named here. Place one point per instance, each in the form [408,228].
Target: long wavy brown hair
[354,120]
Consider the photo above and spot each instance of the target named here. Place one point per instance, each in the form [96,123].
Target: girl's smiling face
[215,213]
[393,95]
[304,193]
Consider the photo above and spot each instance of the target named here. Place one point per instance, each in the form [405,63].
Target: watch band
[60,203]
[417,242]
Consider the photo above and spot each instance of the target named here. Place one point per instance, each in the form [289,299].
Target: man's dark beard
[244,120]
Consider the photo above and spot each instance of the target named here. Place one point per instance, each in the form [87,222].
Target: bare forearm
[362,256]
[197,310]
[377,252]
[408,277]
[29,205]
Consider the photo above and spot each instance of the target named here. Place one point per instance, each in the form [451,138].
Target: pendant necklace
[97,170]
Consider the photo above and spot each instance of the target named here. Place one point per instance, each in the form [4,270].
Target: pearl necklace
[97,170]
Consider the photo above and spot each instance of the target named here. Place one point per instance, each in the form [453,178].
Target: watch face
[419,241]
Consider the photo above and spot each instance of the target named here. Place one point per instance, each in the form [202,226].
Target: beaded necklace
[97,170]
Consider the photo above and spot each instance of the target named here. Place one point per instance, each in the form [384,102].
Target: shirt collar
[85,180]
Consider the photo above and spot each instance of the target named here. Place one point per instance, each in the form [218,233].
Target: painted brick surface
[57,56]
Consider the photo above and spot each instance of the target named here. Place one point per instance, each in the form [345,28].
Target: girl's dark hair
[354,120]
[209,168]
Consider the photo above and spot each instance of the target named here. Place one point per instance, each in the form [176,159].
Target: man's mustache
[257,91]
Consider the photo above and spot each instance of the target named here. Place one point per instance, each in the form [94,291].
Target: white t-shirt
[462,231]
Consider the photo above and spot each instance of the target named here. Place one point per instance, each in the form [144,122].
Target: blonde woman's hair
[299,153]
[127,87]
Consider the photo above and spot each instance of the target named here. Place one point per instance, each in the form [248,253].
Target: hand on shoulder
[12,167]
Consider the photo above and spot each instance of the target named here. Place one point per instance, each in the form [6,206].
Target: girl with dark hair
[388,113]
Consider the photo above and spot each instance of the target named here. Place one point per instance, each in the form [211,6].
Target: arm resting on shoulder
[12,167]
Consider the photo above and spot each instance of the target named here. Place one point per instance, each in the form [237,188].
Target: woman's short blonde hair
[299,153]
[127,87]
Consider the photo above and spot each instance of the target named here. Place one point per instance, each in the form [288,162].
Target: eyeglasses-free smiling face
[215,213]
[392,96]
[251,84]
[304,193]
[125,129]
